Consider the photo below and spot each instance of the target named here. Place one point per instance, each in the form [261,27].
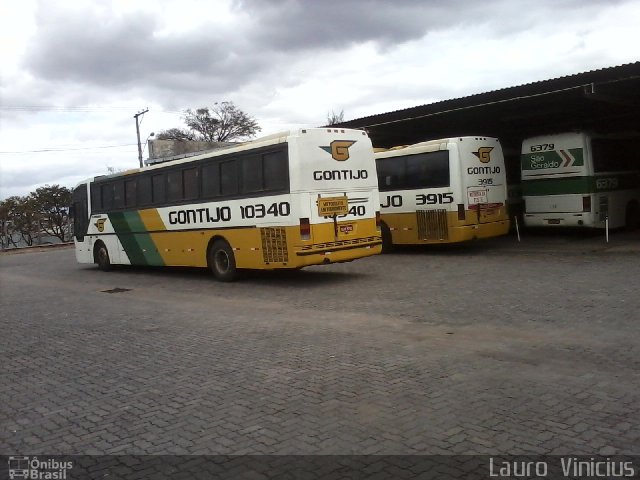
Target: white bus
[289,200]
[442,191]
[578,180]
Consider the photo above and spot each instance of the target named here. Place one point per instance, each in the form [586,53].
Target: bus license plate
[330,206]
[477,196]
[346,229]
[554,221]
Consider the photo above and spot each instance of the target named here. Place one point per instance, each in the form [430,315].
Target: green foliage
[44,211]
[52,206]
[176,134]
[223,122]
[20,217]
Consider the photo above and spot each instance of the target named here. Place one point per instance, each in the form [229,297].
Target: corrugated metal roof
[607,74]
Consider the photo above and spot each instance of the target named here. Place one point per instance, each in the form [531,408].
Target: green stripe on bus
[557,186]
[581,185]
[149,250]
[139,247]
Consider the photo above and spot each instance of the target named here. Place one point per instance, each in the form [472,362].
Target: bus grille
[340,244]
[274,244]
[432,225]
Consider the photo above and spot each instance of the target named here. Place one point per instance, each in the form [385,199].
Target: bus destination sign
[330,206]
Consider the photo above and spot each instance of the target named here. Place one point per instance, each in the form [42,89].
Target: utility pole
[138,133]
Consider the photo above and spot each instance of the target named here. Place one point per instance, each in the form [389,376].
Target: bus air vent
[432,225]
[274,244]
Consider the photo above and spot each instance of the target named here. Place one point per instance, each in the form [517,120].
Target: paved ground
[493,347]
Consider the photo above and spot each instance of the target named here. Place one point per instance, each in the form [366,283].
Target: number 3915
[434,198]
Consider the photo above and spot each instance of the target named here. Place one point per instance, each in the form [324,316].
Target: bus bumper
[328,253]
[478,231]
[553,219]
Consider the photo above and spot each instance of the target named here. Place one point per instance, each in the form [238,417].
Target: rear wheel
[387,241]
[222,262]
[102,257]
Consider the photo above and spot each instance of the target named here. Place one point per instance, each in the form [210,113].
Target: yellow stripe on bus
[151,219]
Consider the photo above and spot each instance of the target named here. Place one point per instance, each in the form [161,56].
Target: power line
[47,150]
[77,109]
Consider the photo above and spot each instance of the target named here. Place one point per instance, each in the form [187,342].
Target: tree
[223,122]
[52,205]
[176,134]
[6,227]
[20,217]
[334,118]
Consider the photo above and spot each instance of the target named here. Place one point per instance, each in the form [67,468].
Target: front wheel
[102,258]
[222,261]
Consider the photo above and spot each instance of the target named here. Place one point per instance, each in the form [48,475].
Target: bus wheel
[102,257]
[387,242]
[632,216]
[222,261]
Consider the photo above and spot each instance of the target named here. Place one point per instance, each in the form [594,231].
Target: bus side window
[118,194]
[211,180]
[96,198]
[130,193]
[252,176]
[611,155]
[157,189]
[106,192]
[432,169]
[229,177]
[391,173]
[174,185]
[190,179]
[276,171]
[144,190]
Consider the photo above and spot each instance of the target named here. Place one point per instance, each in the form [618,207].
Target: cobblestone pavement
[484,348]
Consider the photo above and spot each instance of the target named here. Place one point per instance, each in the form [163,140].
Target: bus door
[80,212]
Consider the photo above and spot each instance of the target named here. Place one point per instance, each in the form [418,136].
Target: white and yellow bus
[578,180]
[442,191]
[305,197]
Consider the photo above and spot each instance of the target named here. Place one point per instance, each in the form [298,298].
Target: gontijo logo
[339,149]
[484,154]
[100,224]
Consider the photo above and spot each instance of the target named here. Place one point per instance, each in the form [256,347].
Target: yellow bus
[304,197]
[442,191]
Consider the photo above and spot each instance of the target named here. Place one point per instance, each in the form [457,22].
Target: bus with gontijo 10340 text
[442,191]
[304,197]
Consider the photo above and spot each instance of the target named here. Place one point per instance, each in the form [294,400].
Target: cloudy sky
[73,73]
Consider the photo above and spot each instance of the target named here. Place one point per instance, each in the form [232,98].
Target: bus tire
[102,257]
[222,262]
[387,241]
[632,216]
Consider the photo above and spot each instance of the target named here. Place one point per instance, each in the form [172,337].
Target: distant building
[161,150]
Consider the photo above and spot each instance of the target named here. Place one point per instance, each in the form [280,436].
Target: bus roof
[426,146]
[273,139]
